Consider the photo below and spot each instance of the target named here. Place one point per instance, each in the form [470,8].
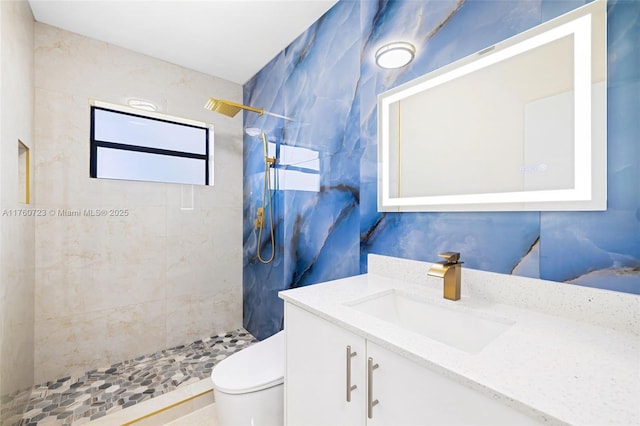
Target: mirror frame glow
[589,193]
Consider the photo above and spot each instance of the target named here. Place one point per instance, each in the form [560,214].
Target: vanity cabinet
[330,372]
[316,372]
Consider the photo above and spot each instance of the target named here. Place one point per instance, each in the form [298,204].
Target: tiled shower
[82,292]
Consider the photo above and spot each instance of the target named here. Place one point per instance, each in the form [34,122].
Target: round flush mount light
[141,104]
[395,55]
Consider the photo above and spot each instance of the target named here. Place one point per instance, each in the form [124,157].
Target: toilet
[248,386]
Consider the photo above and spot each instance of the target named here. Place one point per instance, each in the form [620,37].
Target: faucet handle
[450,256]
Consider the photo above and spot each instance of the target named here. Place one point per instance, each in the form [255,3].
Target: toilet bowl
[248,386]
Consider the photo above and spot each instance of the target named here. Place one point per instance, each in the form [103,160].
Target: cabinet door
[409,394]
[316,375]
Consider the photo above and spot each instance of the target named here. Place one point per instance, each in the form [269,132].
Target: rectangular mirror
[520,125]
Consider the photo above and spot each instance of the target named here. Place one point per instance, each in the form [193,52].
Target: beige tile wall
[112,288]
[16,232]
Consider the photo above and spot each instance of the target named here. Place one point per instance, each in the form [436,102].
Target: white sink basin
[459,328]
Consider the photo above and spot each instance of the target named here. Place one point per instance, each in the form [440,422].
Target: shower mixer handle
[260,219]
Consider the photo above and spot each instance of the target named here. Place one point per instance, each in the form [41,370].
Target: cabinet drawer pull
[350,387]
[370,401]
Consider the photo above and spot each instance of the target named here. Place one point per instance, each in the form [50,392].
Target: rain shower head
[228,108]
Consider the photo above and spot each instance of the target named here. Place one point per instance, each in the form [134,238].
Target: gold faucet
[450,269]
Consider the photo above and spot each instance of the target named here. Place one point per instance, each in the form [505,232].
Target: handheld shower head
[252,131]
[228,108]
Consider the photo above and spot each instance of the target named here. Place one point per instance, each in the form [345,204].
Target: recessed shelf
[24,173]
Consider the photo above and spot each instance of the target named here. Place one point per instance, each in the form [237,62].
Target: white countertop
[559,369]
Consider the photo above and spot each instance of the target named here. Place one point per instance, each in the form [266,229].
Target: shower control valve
[260,219]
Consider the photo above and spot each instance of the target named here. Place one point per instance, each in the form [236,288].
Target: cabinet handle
[370,401]
[350,387]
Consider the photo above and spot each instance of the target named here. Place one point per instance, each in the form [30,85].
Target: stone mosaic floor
[77,400]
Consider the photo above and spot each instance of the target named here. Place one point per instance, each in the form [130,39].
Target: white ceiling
[231,39]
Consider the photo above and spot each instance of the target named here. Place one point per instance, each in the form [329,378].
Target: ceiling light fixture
[395,55]
[140,104]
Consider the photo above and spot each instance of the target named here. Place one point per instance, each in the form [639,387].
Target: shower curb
[162,409]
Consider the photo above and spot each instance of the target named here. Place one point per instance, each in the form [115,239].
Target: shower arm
[230,109]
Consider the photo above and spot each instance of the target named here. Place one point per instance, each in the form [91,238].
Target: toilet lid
[260,366]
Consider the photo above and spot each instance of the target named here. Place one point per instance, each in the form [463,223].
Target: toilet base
[261,408]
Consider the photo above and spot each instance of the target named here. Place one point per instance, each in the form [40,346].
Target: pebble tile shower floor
[78,400]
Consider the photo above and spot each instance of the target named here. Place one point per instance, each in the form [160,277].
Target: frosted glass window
[122,164]
[134,147]
[112,126]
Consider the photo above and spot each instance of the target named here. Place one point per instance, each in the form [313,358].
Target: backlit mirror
[520,125]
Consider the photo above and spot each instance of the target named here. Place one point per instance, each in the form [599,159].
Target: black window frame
[95,144]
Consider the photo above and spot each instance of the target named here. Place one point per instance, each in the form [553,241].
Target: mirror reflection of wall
[478,121]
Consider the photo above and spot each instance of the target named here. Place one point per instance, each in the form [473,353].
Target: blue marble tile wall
[326,83]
